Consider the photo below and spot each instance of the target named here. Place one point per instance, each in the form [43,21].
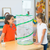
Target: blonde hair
[42,17]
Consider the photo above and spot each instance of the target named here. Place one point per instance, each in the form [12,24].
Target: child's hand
[37,43]
[15,33]
[2,36]
[0,40]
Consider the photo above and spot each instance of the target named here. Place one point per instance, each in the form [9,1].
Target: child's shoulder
[6,25]
[44,24]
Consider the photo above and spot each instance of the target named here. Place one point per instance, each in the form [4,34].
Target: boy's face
[11,21]
[38,20]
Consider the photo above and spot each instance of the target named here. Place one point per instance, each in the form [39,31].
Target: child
[9,29]
[41,35]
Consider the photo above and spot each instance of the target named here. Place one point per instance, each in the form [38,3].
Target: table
[12,45]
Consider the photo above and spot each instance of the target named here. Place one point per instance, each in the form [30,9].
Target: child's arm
[16,33]
[2,36]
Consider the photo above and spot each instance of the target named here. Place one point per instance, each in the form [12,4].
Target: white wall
[16,6]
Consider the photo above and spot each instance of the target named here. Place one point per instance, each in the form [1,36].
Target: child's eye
[12,19]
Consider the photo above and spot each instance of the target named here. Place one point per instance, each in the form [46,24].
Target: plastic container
[3,44]
[24,30]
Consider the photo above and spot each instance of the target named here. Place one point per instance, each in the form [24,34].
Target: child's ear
[36,17]
[40,20]
[8,20]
